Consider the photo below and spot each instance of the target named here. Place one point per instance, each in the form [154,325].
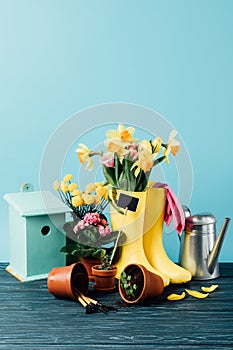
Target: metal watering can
[199,248]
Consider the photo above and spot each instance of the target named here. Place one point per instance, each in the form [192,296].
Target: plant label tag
[129,202]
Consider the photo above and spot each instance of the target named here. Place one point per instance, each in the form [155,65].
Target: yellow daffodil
[77,201]
[67,177]
[56,185]
[84,156]
[64,187]
[173,144]
[115,146]
[166,153]
[123,134]
[145,158]
[76,193]
[98,184]
[90,187]
[88,198]
[156,143]
[72,186]
[145,145]
[102,191]
[118,140]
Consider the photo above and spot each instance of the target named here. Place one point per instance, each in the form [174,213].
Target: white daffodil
[173,144]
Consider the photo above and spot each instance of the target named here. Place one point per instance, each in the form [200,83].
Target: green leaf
[68,249]
[90,236]
[142,180]
[68,227]
[99,254]
[109,174]
[123,276]
[118,168]
[129,278]
[123,182]
[129,291]
[129,174]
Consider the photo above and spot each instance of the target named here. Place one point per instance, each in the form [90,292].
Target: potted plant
[88,233]
[104,274]
[92,235]
[136,283]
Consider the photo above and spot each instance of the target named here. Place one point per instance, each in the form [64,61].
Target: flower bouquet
[127,163]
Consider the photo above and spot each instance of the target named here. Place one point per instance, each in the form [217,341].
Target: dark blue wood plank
[31,318]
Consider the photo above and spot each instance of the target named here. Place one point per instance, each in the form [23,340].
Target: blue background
[58,57]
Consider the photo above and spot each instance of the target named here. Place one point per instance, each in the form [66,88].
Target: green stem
[91,154]
[159,160]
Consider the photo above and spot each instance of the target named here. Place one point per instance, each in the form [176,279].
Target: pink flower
[133,150]
[80,226]
[107,160]
[92,218]
[107,230]
[104,231]
[101,231]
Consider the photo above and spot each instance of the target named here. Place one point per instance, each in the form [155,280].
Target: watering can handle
[218,245]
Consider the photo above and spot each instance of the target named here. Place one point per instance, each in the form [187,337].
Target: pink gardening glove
[173,208]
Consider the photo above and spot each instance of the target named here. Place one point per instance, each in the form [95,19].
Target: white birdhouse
[36,222]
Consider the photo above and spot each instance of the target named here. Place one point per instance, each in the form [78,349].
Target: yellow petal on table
[210,289]
[196,294]
[172,297]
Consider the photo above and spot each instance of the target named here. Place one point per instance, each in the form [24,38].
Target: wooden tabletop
[32,318]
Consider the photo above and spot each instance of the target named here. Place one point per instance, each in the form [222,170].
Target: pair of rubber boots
[144,244]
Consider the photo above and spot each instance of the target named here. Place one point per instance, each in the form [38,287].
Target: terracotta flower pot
[150,285]
[63,280]
[89,263]
[104,279]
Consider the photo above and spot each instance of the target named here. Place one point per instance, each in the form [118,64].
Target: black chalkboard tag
[129,202]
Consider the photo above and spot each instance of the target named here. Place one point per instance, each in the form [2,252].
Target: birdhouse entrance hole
[45,230]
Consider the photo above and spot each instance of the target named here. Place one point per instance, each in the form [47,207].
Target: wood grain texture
[31,318]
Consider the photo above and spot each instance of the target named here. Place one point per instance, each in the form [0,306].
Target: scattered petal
[210,289]
[196,294]
[176,296]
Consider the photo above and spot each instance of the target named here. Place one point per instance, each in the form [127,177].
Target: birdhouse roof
[36,203]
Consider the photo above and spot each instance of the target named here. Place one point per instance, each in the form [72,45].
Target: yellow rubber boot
[132,250]
[152,240]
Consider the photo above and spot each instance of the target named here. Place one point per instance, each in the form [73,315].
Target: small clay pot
[89,263]
[104,279]
[151,284]
[63,281]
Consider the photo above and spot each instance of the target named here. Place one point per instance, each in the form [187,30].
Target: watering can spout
[213,257]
